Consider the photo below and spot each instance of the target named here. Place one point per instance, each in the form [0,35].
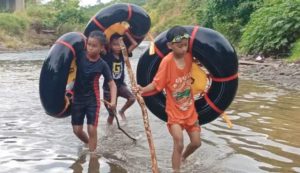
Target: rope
[117,119]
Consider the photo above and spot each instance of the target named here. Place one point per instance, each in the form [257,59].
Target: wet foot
[110,120]
[85,145]
[122,114]
[108,131]
[83,150]
[94,154]
[183,160]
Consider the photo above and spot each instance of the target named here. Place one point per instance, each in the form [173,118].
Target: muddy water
[265,137]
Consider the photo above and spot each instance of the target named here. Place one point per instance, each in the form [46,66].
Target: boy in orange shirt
[174,75]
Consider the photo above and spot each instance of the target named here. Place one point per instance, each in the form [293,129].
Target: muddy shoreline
[8,50]
[273,71]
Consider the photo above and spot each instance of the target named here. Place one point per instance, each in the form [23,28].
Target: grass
[295,57]
[13,24]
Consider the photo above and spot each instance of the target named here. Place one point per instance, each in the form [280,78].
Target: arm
[133,44]
[111,84]
[159,82]
[113,93]
[150,87]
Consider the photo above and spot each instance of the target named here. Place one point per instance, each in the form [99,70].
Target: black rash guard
[87,77]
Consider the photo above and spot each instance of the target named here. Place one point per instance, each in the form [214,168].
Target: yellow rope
[227,120]
[152,45]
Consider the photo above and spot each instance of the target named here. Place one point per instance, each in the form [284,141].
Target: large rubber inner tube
[55,72]
[218,57]
[136,17]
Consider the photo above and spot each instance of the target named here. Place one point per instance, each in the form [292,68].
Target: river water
[265,136]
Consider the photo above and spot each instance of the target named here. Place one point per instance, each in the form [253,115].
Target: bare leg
[94,164]
[177,134]
[78,131]
[193,145]
[124,92]
[92,130]
[110,119]
[128,103]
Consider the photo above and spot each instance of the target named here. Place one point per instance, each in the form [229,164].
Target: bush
[69,27]
[13,24]
[42,16]
[229,16]
[57,13]
[164,14]
[272,29]
[295,56]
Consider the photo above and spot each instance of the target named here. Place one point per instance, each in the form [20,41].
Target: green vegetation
[295,56]
[270,27]
[62,16]
[58,16]
[163,16]
[229,17]
[13,24]
[273,28]
[12,27]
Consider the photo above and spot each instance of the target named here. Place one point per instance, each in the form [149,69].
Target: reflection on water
[265,136]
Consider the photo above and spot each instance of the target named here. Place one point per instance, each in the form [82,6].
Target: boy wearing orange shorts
[174,75]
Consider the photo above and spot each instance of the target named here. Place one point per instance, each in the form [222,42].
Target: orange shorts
[189,128]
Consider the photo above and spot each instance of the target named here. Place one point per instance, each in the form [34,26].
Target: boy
[86,89]
[115,61]
[174,75]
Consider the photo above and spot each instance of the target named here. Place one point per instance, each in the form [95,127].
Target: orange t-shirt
[177,84]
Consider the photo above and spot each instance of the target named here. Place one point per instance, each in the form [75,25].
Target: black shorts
[89,108]
[122,91]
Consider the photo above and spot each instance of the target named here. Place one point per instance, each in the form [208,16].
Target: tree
[229,16]
[273,29]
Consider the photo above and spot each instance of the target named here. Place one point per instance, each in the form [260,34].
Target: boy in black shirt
[115,61]
[86,102]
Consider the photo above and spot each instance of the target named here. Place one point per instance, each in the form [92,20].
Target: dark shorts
[122,91]
[89,108]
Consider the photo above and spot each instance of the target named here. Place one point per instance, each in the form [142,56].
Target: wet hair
[175,32]
[114,37]
[99,36]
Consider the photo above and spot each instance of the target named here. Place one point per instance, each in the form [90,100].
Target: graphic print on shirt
[182,92]
[117,70]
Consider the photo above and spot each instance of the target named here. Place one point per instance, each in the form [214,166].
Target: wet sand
[278,73]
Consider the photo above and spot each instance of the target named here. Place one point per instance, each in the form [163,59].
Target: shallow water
[265,136]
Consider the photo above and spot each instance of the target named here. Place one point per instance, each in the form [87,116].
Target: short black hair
[115,36]
[99,36]
[174,32]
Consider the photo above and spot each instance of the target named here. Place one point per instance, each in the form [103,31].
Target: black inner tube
[215,53]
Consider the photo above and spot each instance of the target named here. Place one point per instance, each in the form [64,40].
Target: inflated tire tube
[136,16]
[55,71]
[218,57]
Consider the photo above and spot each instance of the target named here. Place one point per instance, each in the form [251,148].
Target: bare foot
[85,145]
[176,171]
[110,120]
[183,160]
[122,114]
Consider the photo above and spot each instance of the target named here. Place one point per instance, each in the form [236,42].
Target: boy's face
[115,46]
[94,47]
[179,48]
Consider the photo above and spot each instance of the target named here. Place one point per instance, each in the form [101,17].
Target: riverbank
[30,41]
[275,71]
[4,49]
